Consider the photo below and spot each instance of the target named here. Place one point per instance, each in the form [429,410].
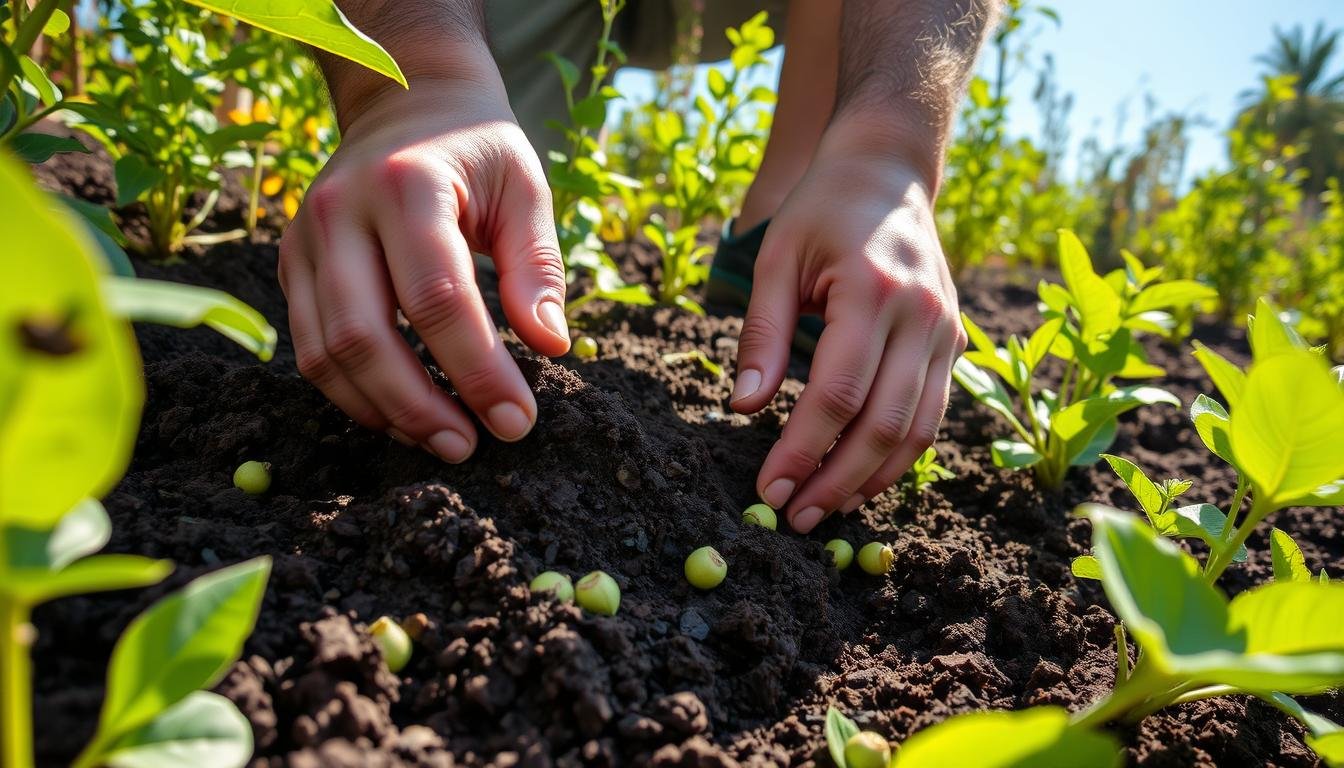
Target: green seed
[394,642]
[762,515]
[253,477]
[597,592]
[876,558]
[585,347]
[558,584]
[866,749]
[705,568]
[842,554]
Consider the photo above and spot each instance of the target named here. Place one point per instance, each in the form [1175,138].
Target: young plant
[1090,324]
[27,94]
[925,472]
[70,395]
[1039,736]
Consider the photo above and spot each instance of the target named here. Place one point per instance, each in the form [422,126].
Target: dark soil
[634,463]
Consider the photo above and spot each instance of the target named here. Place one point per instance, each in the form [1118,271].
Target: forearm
[903,67]
[429,39]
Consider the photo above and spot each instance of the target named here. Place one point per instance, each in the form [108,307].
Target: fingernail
[852,503]
[508,421]
[450,446]
[748,381]
[777,493]
[807,519]
[552,315]
[400,437]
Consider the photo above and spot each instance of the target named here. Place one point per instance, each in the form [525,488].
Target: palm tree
[1314,118]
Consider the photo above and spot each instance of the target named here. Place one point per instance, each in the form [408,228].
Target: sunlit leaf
[1040,737]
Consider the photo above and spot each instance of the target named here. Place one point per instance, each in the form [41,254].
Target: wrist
[356,90]
[905,134]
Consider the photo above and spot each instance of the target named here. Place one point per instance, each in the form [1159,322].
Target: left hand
[856,242]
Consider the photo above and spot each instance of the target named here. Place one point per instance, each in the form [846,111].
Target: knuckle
[759,332]
[436,304]
[352,343]
[475,379]
[841,397]
[924,434]
[403,172]
[314,365]
[327,201]
[544,261]
[411,412]
[889,429]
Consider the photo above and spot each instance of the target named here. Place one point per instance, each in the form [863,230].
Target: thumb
[767,331]
[527,258]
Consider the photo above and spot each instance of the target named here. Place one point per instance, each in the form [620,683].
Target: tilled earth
[634,462]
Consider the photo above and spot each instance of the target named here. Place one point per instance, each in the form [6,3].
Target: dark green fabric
[730,276]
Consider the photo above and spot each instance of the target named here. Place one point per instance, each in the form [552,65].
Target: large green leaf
[1097,303]
[1285,432]
[100,573]
[1269,335]
[204,730]
[183,642]
[318,23]
[36,148]
[1228,378]
[1013,454]
[1173,294]
[1290,617]
[1212,423]
[186,306]
[134,177]
[985,388]
[1040,737]
[82,531]
[70,389]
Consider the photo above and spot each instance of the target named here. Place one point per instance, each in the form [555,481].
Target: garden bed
[634,462]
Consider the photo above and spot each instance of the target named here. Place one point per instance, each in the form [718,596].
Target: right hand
[423,178]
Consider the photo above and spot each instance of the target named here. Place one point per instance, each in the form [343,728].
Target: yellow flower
[239,117]
[310,127]
[261,112]
[291,203]
[271,185]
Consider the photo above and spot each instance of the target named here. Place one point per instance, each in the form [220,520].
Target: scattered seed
[866,749]
[762,515]
[842,553]
[394,642]
[253,477]
[556,583]
[597,592]
[585,348]
[876,558]
[706,568]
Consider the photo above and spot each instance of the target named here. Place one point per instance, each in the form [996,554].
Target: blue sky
[1193,56]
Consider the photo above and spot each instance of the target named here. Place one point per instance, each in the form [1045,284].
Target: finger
[435,283]
[923,431]
[310,354]
[527,258]
[875,436]
[354,301]
[843,367]
[767,331]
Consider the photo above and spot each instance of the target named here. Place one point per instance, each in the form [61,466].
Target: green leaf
[984,388]
[1040,737]
[1173,294]
[839,729]
[1013,454]
[1038,346]
[589,112]
[1289,563]
[1080,422]
[187,306]
[1204,522]
[1097,303]
[1328,495]
[1269,335]
[1329,747]
[70,387]
[36,148]
[1212,423]
[85,529]
[100,573]
[1086,567]
[57,24]
[134,177]
[569,74]
[183,642]
[204,730]
[1227,377]
[318,23]
[1324,736]
[47,91]
[1145,490]
[718,84]
[1285,430]
[1286,617]
[1099,444]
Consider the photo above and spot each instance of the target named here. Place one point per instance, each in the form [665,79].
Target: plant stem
[1121,654]
[1134,691]
[254,195]
[16,706]
[1234,511]
[1223,557]
[1182,695]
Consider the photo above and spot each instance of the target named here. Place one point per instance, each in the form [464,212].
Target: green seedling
[554,583]
[253,477]
[867,749]
[705,568]
[695,355]
[1090,323]
[876,558]
[762,515]
[393,641]
[925,472]
[842,553]
[598,592]
[585,348]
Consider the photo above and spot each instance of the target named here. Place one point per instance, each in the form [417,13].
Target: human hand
[423,178]
[856,242]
